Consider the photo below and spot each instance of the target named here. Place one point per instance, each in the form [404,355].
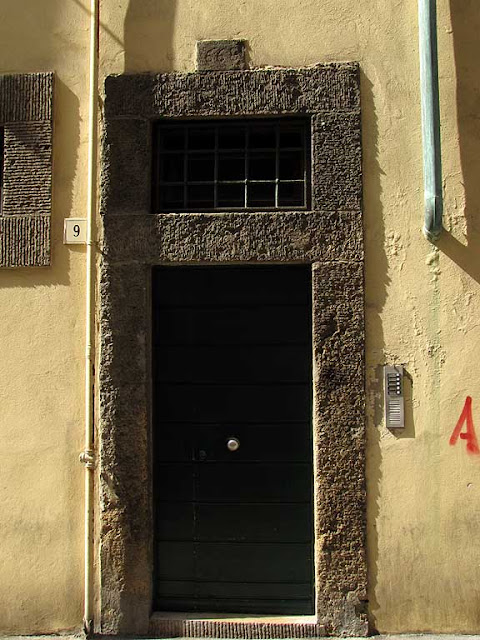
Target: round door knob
[233,444]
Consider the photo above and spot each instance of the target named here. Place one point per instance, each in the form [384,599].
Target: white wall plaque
[75,231]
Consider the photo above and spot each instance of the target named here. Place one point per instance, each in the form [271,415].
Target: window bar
[277,163]
[247,164]
[158,167]
[215,171]
[154,196]
[307,166]
[185,167]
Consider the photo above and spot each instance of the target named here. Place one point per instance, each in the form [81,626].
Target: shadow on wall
[103,26]
[465,18]
[148,35]
[376,281]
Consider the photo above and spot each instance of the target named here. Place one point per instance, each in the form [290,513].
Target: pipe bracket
[87,458]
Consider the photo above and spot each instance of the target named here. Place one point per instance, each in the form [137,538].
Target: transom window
[260,164]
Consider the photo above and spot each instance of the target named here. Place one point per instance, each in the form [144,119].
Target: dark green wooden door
[232,362]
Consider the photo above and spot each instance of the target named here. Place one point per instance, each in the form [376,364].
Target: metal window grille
[258,165]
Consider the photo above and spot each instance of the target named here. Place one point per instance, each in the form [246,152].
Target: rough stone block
[26,97]
[339,444]
[126,167]
[327,87]
[235,237]
[221,55]
[24,241]
[27,184]
[337,160]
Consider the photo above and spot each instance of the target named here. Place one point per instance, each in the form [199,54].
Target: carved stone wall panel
[26,116]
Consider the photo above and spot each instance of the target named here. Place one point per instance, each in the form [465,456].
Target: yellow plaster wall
[42,346]
[422,304]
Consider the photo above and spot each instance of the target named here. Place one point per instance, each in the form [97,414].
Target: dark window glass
[173,168]
[291,166]
[231,166]
[260,164]
[172,197]
[291,138]
[201,167]
[231,195]
[173,139]
[261,194]
[201,138]
[291,194]
[262,137]
[231,137]
[200,195]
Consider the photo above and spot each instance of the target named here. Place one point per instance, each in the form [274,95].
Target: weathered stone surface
[234,93]
[24,241]
[26,97]
[329,237]
[124,447]
[329,94]
[235,237]
[336,161]
[26,114]
[221,55]
[27,182]
[126,168]
[339,445]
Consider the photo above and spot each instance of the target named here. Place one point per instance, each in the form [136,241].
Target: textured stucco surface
[329,236]
[422,304]
[41,326]
[26,115]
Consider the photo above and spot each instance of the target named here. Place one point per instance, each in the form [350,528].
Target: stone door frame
[329,237]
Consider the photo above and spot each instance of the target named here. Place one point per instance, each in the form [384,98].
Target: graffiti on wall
[469,435]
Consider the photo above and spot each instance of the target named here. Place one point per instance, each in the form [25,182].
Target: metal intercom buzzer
[394,397]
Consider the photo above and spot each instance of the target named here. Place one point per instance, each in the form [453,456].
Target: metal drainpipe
[432,160]
[88,455]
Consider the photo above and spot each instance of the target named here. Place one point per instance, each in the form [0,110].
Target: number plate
[75,231]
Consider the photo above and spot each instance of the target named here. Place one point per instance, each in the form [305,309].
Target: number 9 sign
[75,231]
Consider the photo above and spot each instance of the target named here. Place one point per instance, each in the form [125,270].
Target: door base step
[187,625]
